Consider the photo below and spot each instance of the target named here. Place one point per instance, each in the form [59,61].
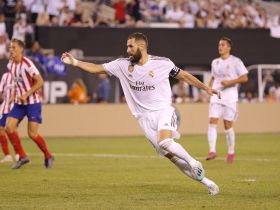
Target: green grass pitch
[126,173]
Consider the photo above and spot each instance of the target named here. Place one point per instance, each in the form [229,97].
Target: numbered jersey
[146,87]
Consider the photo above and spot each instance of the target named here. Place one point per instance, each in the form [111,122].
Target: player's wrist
[75,62]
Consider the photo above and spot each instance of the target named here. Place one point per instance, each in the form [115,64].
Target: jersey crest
[130,68]
[151,73]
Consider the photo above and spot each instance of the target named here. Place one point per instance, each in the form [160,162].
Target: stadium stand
[20,18]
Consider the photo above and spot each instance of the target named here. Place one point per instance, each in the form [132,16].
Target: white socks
[186,169]
[206,181]
[182,165]
[177,150]
[230,136]
[212,137]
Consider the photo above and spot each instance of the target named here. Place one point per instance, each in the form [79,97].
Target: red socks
[15,140]
[4,144]
[42,145]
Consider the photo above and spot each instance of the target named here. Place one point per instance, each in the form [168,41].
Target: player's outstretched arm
[86,66]
[211,82]
[190,79]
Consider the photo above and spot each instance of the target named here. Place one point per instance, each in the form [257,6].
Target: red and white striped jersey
[7,89]
[23,74]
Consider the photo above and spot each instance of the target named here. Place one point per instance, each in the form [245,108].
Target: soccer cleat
[197,171]
[49,162]
[211,156]
[7,158]
[230,158]
[20,162]
[213,189]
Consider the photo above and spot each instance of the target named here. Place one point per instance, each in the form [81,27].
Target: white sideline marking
[140,156]
[248,180]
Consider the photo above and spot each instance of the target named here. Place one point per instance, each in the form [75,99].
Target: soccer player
[7,95]
[227,71]
[145,81]
[27,103]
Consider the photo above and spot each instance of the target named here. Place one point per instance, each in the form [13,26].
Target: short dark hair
[139,37]
[228,40]
[19,42]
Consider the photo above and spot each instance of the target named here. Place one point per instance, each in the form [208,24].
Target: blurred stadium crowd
[140,13]
[23,15]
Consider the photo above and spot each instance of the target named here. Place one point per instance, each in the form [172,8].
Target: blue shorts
[32,111]
[3,119]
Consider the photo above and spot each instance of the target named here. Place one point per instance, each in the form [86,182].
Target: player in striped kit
[7,95]
[145,82]
[27,103]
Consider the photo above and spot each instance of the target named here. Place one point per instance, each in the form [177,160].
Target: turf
[125,173]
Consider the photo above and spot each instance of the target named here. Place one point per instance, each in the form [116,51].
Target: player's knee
[10,129]
[2,131]
[227,125]
[213,121]
[32,134]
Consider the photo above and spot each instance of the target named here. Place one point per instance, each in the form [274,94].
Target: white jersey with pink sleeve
[7,91]
[23,74]
[226,69]
[147,87]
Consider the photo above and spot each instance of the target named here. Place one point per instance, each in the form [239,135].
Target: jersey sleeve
[32,70]
[173,70]
[2,83]
[112,68]
[240,68]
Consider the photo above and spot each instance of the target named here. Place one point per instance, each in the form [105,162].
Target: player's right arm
[2,87]
[211,82]
[86,66]
[190,79]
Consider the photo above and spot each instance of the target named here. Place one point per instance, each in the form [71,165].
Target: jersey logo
[17,79]
[130,68]
[151,74]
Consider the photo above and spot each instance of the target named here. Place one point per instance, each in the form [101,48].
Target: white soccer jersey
[226,69]
[146,87]
[23,74]
[6,88]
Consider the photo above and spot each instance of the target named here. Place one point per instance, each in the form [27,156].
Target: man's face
[224,48]
[15,50]
[133,51]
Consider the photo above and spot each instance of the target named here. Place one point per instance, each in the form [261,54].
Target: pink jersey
[23,74]
[7,90]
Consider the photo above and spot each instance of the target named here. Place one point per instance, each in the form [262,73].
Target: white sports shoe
[213,188]
[7,158]
[198,171]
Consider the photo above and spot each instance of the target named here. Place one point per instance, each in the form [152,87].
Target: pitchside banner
[58,79]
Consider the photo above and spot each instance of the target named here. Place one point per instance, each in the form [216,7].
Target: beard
[136,57]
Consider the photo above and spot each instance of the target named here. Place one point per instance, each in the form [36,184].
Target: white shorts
[154,121]
[225,111]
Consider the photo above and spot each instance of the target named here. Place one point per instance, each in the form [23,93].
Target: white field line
[141,156]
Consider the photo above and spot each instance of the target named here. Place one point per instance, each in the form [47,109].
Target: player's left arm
[13,96]
[228,83]
[190,79]
[37,84]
